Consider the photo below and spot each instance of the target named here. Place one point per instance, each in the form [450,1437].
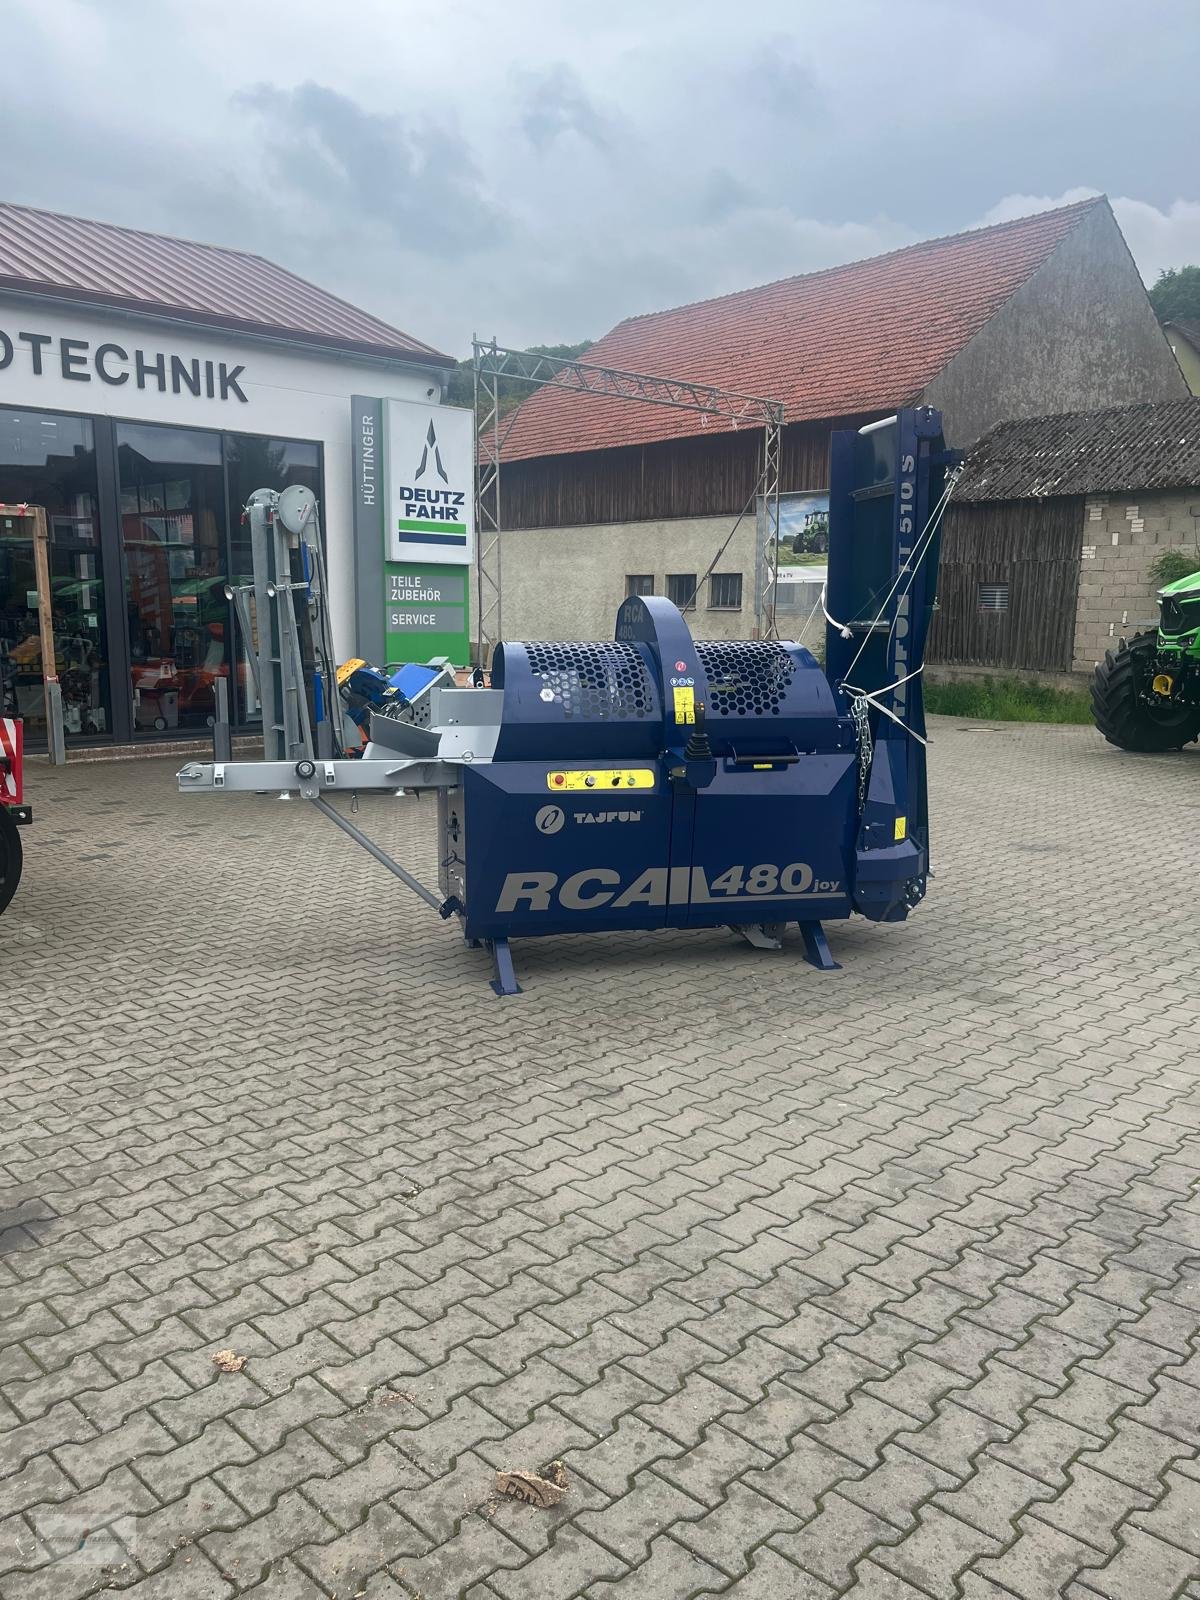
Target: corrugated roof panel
[859,338]
[1122,449]
[43,250]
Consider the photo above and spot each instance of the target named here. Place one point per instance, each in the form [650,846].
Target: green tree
[1176,294]
[460,389]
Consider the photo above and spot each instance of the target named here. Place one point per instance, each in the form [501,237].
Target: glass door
[172,487]
[50,460]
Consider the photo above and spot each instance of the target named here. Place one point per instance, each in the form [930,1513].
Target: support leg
[505,981]
[816,947]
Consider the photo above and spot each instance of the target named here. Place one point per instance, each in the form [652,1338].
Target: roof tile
[851,339]
[45,252]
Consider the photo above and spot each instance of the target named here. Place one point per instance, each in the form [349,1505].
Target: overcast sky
[539,169]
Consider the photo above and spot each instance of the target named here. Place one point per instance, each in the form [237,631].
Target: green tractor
[1146,694]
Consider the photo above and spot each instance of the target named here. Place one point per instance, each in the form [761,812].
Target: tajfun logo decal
[549,819]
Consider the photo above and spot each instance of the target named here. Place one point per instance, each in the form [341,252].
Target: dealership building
[148,385]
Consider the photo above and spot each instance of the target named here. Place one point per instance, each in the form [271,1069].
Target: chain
[862,727]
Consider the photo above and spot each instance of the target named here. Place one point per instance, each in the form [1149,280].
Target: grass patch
[1008,700]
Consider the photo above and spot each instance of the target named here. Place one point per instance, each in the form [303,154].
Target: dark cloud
[722,195]
[780,83]
[417,182]
[554,104]
[540,171]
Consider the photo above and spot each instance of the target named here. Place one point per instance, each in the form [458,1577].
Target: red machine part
[11,762]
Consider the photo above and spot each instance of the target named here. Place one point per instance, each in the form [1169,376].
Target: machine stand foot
[761,935]
[816,947]
[505,981]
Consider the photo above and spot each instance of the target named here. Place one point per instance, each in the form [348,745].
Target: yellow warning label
[901,827]
[685,705]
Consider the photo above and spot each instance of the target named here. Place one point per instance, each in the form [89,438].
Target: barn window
[681,589]
[993,597]
[725,591]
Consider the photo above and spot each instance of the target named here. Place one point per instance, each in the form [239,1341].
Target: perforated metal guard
[595,681]
[746,677]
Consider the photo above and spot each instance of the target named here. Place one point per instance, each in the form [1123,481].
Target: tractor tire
[1120,713]
[11,857]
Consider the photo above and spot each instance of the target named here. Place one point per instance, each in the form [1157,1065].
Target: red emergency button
[558,779]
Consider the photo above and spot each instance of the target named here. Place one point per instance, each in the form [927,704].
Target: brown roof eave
[183,316]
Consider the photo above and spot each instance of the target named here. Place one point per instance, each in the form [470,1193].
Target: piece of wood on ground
[228,1361]
[531,1488]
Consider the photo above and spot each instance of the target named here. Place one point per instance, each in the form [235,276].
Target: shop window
[681,589]
[172,486]
[725,591]
[50,460]
[639,583]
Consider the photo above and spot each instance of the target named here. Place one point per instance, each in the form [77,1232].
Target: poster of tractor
[803,531]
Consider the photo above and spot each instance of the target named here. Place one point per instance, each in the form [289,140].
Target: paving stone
[571,1563]
[478,1549]
[1176,1518]
[612,1462]
[346,1495]
[346,1561]
[1041,1561]
[1093,1508]
[670,1573]
[937,1553]
[896,1487]
[1143,1566]
[910,1298]
[204,1509]
[188,1576]
[89,1463]
[828,1546]
[726,1535]
[629,1524]
[101,1559]
[873,1582]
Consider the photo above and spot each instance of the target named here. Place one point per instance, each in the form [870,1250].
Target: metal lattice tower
[492,361]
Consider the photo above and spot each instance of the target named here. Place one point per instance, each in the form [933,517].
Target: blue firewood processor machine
[657,780]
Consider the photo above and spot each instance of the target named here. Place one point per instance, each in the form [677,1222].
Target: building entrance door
[172,488]
[50,460]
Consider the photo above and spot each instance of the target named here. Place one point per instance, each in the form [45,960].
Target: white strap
[833,621]
[873,700]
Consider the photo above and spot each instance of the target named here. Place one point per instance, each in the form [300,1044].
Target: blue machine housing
[659,781]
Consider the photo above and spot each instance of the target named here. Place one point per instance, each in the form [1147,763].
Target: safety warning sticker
[685,704]
[901,827]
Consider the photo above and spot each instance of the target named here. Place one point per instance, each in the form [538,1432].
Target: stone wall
[566,583]
[1121,537]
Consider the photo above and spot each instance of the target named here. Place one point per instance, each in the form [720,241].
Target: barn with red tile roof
[1039,315]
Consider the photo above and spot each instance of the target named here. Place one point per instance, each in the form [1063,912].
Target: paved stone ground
[881,1283]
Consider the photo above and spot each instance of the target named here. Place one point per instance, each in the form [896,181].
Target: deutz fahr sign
[414,534]
[429,483]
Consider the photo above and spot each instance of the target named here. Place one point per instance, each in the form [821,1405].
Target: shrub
[1008,700]
[1172,565]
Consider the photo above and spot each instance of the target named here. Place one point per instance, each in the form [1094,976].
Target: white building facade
[143,434]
